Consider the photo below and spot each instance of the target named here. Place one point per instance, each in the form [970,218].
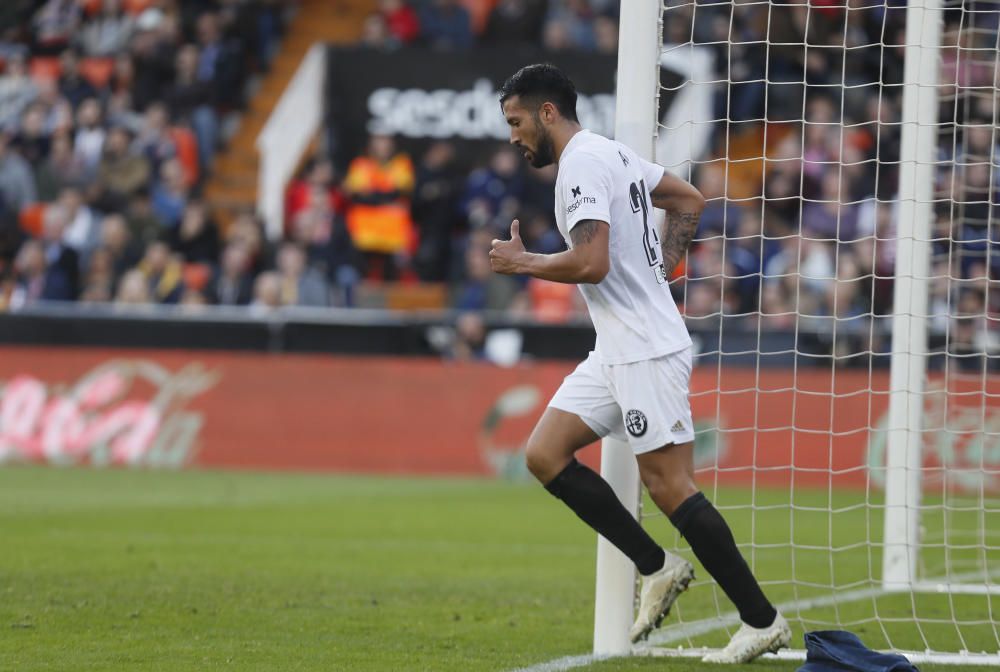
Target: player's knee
[669,490]
[543,463]
[537,461]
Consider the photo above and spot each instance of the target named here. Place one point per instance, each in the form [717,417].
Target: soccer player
[634,385]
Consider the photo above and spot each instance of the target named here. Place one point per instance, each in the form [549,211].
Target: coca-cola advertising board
[183,409]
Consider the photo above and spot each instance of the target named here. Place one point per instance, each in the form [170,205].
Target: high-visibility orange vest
[385,228]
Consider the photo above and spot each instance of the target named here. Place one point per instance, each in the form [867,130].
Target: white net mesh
[787,116]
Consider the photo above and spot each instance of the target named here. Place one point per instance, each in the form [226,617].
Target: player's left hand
[505,254]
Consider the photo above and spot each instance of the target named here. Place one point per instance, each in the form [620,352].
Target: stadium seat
[187,152]
[424,296]
[196,276]
[44,68]
[97,71]
[32,218]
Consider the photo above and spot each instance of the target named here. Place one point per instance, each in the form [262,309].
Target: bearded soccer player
[634,385]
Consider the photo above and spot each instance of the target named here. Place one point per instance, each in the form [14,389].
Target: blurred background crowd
[112,111]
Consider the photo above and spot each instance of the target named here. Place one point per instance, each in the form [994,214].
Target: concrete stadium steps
[233,184]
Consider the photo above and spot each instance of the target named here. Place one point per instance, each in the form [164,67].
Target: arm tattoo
[678,230]
[584,232]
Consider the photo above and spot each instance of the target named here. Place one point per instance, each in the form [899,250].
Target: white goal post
[908,568]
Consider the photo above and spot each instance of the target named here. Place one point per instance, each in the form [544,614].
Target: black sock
[713,544]
[593,500]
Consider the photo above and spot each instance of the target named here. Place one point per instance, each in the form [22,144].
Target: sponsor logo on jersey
[583,200]
[576,191]
[635,422]
[678,427]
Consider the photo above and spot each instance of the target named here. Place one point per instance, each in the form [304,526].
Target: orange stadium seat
[90,7]
[187,152]
[196,276]
[44,67]
[32,218]
[97,71]
[136,6]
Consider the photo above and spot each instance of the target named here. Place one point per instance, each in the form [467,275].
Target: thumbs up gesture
[506,255]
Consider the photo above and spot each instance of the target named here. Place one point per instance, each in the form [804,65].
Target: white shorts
[643,403]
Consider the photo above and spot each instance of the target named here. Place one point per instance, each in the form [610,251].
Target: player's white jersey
[634,315]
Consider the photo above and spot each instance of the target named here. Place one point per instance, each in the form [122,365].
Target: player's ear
[548,113]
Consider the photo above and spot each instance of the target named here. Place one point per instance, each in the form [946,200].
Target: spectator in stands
[107,33]
[189,100]
[515,21]
[170,196]
[116,239]
[72,85]
[143,224]
[481,288]
[248,231]
[152,58]
[54,26]
[576,17]
[266,294]
[83,231]
[32,141]
[133,289]
[62,276]
[540,234]
[17,183]
[315,188]
[832,217]
[219,62]
[300,284]
[400,20]
[375,34]
[232,284]
[606,35]
[378,185]
[434,211]
[57,113]
[446,24]
[196,239]
[99,279]
[470,338]
[30,275]
[17,89]
[154,140]
[88,144]
[59,169]
[122,172]
[163,271]
[493,194]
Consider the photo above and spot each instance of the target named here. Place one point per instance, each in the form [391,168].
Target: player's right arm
[586,262]
[683,205]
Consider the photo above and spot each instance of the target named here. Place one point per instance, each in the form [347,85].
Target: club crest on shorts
[635,422]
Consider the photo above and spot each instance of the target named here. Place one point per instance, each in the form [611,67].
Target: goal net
[842,296]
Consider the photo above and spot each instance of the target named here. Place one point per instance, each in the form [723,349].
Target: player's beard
[545,153]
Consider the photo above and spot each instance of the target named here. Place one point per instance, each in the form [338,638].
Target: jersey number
[650,240]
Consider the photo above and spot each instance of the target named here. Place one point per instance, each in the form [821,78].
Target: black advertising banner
[420,96]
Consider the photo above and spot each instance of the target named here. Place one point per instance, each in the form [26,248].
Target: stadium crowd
[111,111]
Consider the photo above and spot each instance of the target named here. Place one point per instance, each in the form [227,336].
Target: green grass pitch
[114,570]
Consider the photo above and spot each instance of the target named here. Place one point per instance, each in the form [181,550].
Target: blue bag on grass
[840,651]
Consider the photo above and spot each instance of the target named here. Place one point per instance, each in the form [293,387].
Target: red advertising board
[811,427]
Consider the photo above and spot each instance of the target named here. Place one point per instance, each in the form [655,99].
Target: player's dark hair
[542,83]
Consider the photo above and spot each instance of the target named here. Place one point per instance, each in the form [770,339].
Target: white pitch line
[566,663]
[694,628]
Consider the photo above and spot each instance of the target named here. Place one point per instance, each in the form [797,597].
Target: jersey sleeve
[585,181]
[652,173]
